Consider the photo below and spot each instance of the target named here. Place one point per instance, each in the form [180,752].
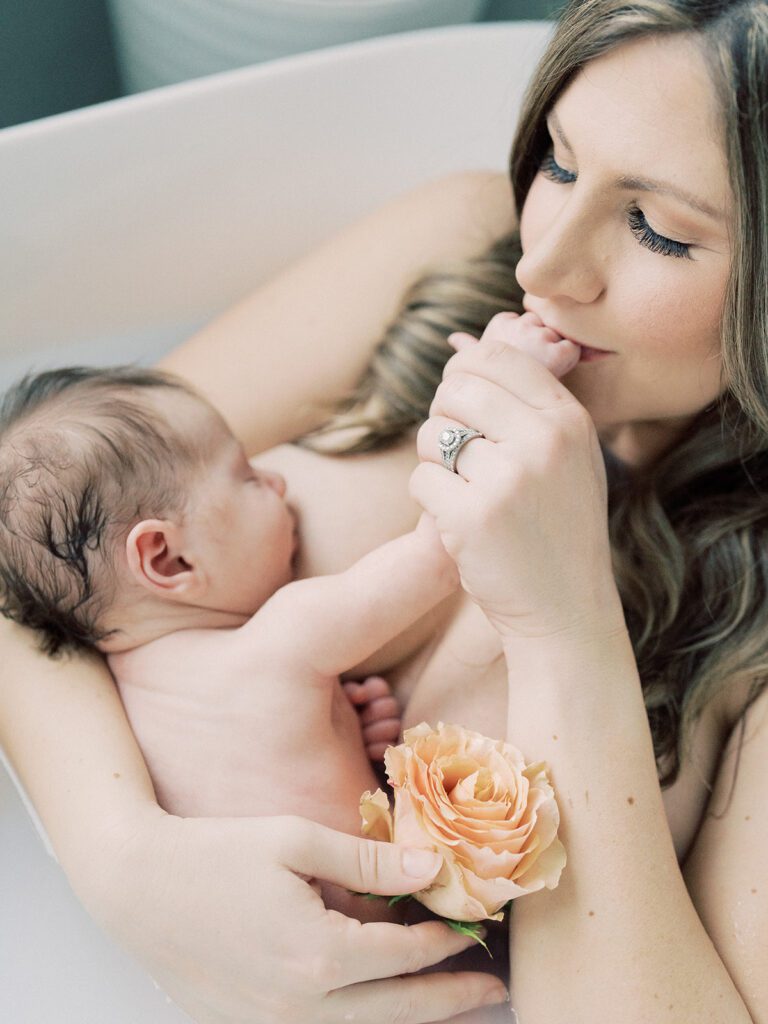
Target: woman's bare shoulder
[308,334]
[476,207]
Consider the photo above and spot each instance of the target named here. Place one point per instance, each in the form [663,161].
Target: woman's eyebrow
[637,183]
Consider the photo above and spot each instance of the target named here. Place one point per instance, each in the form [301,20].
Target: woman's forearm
[63,728]
[620,935]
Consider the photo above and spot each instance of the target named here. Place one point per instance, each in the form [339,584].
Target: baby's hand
[528,334]
[379,714]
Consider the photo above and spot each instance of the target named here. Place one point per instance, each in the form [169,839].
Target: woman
[627,635]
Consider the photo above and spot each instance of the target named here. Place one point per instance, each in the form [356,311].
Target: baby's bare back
[253,721]
[228,730]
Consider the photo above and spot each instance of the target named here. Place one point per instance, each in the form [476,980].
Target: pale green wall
[57,54]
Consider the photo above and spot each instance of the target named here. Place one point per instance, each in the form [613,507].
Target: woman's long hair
[689,533]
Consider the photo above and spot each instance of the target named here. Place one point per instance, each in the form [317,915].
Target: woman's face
[613,257]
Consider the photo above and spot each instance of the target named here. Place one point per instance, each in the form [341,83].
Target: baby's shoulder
[173,655]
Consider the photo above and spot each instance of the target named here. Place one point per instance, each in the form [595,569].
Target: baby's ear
[155,553]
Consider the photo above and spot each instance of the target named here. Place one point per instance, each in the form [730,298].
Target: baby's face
[244,531]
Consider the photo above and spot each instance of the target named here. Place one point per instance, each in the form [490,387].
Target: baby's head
[128,509]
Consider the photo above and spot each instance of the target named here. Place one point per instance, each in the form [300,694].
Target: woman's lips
[588,354]
[591,355]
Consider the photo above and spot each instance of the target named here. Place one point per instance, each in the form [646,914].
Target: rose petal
[546,868]
[448,896]
[474,800]
[377,820]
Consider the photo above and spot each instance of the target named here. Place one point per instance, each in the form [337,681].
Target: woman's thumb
[362,865]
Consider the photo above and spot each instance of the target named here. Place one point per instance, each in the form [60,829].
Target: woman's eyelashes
[638,225]
[656,243]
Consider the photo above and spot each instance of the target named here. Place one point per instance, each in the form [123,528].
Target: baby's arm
[335,622]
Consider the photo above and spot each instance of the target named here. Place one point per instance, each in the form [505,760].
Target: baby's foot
[379,714]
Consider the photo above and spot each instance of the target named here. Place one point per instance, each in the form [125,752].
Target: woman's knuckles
[455,386]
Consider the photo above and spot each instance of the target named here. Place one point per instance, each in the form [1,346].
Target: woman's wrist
[593,619]
[585,657]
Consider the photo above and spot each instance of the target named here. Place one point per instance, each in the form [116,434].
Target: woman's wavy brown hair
[689,533]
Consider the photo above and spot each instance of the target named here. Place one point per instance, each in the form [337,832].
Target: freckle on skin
[748,817]
[630,800]
[115,775]
[591,913]
[753,890]
[554,737]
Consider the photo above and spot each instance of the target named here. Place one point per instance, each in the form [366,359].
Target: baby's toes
[387,730]
[355,693]
[369,689]
[359,693]
[384,707]
[379,736]
[561,357]
[376,751]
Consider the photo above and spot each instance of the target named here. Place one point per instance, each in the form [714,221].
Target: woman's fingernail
[421,863]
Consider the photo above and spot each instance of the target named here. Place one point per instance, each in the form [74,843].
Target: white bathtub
[124,226]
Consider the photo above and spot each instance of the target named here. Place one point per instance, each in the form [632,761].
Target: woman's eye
[552,170]
[651,240]
[638,225]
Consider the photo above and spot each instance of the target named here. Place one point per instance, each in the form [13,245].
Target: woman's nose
[562,260]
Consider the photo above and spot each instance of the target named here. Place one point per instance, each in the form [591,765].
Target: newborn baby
[132,522]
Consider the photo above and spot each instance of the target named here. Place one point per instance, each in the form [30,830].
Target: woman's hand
[226,915]
[525,516]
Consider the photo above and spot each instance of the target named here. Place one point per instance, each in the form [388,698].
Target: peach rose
[473,800]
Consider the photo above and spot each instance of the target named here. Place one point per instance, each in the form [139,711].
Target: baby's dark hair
[84,454]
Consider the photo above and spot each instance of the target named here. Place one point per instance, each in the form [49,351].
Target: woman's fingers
[435,489]
[488,407]
[416,1000]
[476,456]
[460,339]
[383,950]
[361,865]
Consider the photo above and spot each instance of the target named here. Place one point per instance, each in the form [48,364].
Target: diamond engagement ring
[451,441]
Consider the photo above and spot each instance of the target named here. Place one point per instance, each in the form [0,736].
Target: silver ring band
[451,441]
